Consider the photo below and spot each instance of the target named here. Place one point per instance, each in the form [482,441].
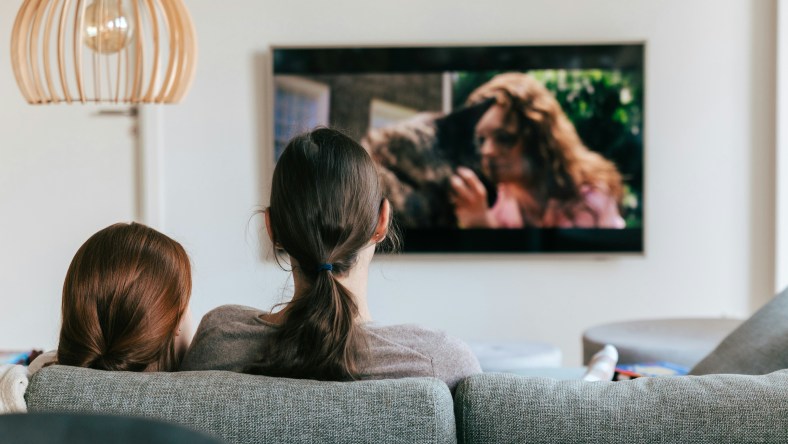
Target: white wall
[709,161]
[781,173]
[64,174]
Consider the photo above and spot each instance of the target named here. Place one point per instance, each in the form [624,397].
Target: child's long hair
[125,293]
[325,201]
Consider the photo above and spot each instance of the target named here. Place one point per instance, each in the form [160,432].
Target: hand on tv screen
[470,200]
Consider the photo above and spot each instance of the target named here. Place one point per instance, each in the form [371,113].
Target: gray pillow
[757,347]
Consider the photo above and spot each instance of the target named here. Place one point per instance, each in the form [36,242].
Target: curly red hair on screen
[561,163]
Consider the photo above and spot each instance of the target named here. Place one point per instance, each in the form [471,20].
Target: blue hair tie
[325,267]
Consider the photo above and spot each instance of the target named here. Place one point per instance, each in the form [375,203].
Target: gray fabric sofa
[488,408]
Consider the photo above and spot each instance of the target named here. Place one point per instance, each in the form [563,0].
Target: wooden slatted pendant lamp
[103,51]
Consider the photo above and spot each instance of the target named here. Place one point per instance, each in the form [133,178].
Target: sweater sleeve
[453,361]
[230,337]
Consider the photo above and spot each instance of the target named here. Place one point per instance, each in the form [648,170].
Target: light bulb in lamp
[107,26]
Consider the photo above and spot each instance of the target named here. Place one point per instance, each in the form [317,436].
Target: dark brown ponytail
[325,202]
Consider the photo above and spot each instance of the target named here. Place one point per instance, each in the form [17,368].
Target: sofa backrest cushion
[250,409]
[504,408]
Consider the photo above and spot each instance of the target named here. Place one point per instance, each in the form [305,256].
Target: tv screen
[485,148]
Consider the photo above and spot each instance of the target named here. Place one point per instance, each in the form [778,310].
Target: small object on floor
[602,365]
[14,357]
[18,357]
[632,371]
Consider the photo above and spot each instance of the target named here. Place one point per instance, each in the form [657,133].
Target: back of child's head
[124,296]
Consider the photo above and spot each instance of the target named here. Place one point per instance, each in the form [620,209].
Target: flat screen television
[532,149]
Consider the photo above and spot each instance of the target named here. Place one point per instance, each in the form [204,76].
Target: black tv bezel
[317,60]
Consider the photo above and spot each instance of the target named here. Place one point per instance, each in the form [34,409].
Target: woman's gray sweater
[232,337]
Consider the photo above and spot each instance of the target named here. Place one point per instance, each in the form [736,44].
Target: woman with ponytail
[125,298]
[328,214]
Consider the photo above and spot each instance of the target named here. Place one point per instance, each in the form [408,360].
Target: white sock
[602,365]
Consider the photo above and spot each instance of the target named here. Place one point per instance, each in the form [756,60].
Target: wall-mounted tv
[535,148]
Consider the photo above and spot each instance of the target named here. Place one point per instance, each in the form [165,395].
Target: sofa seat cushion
[251,409]
[504,408]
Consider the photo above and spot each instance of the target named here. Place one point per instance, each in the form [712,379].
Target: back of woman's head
[326,199]
[124,296]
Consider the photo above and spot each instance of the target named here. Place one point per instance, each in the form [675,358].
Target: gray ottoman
[679,341]
[512,356]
